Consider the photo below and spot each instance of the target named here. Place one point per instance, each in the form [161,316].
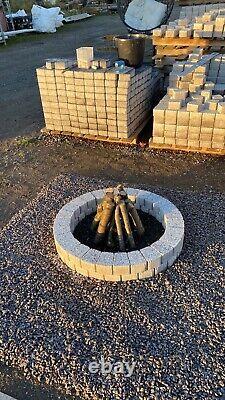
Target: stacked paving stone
[180,37]
[209,25]
[104,102]
[192,114]
[191,12]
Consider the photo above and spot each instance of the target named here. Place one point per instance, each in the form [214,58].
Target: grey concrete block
[105,263]
[121,264]
[90,258]
[152,256]
[164,248]
[98,195]
[121,259]
[89,199]
[137,261]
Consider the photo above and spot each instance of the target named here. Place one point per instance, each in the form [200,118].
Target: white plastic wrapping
[145,14]
[46,19]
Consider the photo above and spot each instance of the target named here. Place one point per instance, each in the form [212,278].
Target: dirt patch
[28,163]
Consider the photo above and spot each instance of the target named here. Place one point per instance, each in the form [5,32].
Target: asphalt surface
[19,95]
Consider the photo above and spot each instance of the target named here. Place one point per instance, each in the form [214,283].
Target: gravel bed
[54,322]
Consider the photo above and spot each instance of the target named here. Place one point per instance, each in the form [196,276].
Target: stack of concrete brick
[192,114]
[209,25]
[103,102]
[191,12]
[180,37]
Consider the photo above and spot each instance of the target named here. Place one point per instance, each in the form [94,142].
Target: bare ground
[27,163]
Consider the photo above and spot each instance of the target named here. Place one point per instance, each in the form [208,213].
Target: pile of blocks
[103,102]
[192,29]
[209,25]
[192,114]
[191,12]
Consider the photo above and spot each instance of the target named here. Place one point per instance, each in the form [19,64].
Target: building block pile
[208,25]
[103,102]
[191,12]
[198,26]
[192,114]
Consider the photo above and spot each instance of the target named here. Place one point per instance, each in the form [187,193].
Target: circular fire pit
[119,266]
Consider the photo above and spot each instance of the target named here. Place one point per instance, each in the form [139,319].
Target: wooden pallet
[180,48]
[187,42]
[132,140]
[219,152]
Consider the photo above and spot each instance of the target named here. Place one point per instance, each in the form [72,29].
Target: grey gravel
[54,322]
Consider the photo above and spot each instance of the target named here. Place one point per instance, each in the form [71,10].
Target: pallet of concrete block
[194,3]
[180,37]
[192,114]
[191,12]
[102,104]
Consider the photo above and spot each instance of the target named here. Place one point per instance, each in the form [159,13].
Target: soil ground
[28,161]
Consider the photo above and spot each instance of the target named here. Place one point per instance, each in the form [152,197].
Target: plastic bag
[59,21]
[45,19]
[19,13]
[145,14]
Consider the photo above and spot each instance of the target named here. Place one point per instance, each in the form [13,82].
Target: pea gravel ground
[54,322]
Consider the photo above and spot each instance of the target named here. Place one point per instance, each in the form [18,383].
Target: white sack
[59,21]
[145,14]
[45,19]
[19,13]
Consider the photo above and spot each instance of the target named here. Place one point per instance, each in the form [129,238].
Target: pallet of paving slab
[209,151]
[184,3]
[131,140]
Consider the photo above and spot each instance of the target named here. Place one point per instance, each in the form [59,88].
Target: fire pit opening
[153,231]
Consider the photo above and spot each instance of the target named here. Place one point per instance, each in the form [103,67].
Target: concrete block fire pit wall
[121,266]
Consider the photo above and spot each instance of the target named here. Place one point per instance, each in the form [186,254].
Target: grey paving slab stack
[198,26]
[192,114]
[99,103]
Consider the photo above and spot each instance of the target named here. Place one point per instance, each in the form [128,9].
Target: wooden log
[137,221]
[126,221]
[119,228]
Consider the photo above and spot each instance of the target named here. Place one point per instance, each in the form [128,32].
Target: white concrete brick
[104,264]
[121,264]
[137,261]
[152,256]
[90,258]
[90,199]
[165,249]
[149,273]
[98,194]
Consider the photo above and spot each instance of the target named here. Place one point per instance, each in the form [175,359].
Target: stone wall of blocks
[192,114]
[101,102]
[196,24]
[191,12]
